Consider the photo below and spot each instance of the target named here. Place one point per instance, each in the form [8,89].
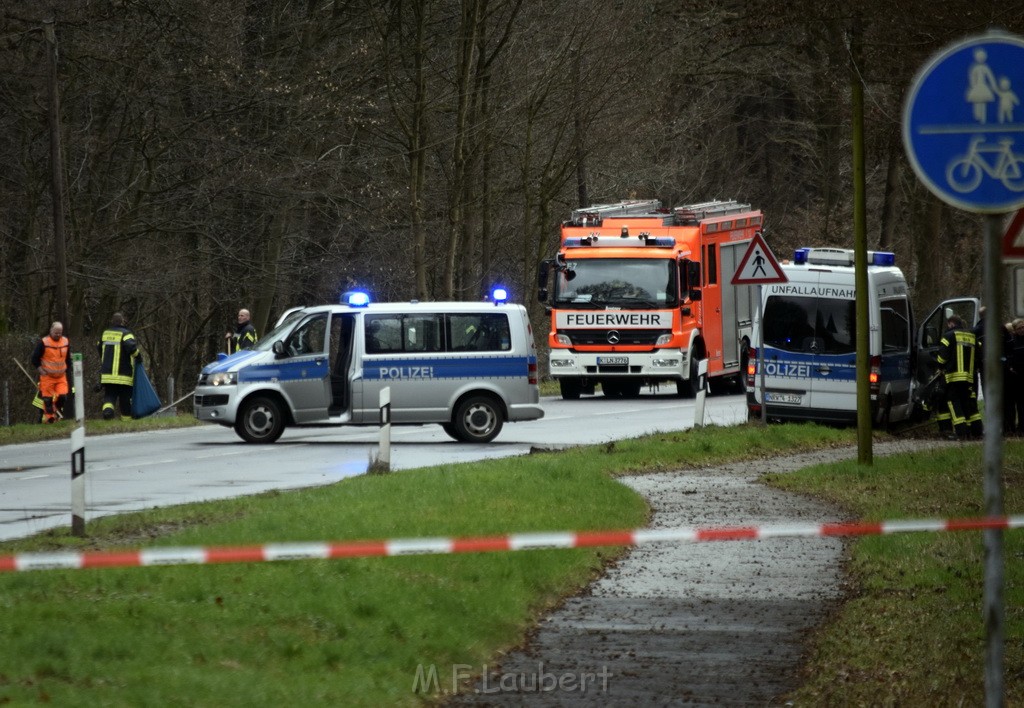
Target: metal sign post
[963,133]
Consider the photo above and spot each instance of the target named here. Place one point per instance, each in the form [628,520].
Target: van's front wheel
[260,420]
[477,419]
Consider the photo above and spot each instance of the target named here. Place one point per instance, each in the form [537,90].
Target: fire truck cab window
[623,282]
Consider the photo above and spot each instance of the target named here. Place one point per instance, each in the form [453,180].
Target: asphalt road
[133,472]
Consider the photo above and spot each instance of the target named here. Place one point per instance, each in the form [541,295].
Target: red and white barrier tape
[512,542]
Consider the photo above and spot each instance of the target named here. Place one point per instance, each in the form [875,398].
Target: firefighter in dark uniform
[118,352]
[958,356]
[244,336]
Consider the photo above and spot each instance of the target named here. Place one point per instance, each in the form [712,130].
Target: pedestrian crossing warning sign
[758,265]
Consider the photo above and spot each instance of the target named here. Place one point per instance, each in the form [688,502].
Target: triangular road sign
[1013,245]
[758,265]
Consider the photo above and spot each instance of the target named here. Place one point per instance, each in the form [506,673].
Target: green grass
[34,432]
[911,631]
[331,632]
[353,632]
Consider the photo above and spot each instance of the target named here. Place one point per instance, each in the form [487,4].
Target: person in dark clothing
[957,356]
[118,353]
[1013,385]
[244,336]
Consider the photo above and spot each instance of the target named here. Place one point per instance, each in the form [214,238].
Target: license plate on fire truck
[612,360]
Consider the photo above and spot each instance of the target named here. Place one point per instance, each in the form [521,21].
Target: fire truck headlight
[670,363]
[223,379]
[663,339]
[563,339]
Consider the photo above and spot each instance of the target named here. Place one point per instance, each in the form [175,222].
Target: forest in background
[273,153]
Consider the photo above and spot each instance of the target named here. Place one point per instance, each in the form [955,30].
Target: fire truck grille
[625,336]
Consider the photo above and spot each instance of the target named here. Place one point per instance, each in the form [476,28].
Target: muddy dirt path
[720,623]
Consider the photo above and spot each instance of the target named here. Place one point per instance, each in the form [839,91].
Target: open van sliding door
[934,326]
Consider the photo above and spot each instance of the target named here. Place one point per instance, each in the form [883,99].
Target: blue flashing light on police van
[883,258]
[800,255]
[356,298]
[499,295]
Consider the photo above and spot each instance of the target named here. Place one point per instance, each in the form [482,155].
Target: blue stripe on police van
[801,365]
[454,368]
[285,371]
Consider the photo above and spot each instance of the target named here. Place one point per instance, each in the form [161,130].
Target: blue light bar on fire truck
[840,257]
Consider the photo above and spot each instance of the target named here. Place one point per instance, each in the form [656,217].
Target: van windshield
[810,324]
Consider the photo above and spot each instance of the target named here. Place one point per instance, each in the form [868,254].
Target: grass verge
[349,632]
[35,432]
[911,632]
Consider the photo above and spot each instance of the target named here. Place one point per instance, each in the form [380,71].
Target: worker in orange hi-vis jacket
[52,360]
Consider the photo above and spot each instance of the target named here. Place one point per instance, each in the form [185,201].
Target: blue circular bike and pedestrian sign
[963,124]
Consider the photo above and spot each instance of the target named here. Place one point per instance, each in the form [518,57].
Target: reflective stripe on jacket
[52,356]
[243,338]
[957,354]
[117,350]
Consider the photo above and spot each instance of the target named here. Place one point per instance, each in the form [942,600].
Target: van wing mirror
[279,349]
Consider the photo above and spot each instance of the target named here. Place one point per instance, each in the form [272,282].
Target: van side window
[309,337]
[392,334]
[480,332]
[383,334]
[895,326]
[422,333]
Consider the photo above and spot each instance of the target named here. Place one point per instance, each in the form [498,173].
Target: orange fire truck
[640,294]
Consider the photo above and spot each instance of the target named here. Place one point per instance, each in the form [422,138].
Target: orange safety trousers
[51,386]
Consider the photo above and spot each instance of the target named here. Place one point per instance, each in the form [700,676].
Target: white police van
[809,336]
[469,366]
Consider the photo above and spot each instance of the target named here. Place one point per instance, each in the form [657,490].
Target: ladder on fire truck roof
[630,207]
[694,213]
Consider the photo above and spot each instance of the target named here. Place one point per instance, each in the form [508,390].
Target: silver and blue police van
[809,338]
[468,366]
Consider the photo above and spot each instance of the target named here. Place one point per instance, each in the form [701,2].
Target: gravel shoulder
[717,623]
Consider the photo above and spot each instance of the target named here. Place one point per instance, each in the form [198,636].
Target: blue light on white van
[499,295]
[840,257]
[356,298]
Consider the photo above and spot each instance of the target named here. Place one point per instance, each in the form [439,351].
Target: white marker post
[384,460]
[702,389]
[78,452]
